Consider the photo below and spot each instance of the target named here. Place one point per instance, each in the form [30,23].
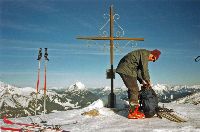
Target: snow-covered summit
[77,86]
[106,88]
[159,88]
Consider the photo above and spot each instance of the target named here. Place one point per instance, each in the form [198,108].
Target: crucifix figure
[112,97]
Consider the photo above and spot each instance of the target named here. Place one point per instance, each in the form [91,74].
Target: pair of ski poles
[38,80]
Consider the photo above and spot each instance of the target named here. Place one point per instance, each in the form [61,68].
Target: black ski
[169,114]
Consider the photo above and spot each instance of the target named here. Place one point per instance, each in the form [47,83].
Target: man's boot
[134,112]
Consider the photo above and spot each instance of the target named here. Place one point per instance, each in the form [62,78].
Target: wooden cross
[112,97]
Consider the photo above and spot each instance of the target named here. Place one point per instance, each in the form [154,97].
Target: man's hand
[146,84]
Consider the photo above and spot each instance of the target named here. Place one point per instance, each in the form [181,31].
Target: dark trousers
[133,89]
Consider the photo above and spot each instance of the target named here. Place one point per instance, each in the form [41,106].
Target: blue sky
[173,26]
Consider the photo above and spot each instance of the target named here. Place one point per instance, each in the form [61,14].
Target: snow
[26,91]
[192,99]
[22,100]
[11,94]
[8,101]
[66,104]
[109,121]
[159,88]
[77,86]
[124,87]
[95,105]
[106,88]
[6,88]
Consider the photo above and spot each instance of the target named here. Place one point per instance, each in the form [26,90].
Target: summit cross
[112,97]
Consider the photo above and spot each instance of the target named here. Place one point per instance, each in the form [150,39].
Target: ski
[27,129]
[11,129]
[45,124]
[170,115]
[31,127]
[38,77]
[7,121]
[24,126]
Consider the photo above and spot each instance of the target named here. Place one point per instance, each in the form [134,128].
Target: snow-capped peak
[160,87]
[106,88]
[27,90]
[77,86]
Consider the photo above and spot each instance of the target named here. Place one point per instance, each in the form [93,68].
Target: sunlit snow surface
[109,121]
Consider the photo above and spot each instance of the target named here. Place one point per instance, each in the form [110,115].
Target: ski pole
[45,80]
[38,81]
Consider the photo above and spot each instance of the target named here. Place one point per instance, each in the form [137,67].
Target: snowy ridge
[21,101]
[106,88]
[13,96]
[191,99]
[160,87]
[165,87]
[9,95]
[77,86]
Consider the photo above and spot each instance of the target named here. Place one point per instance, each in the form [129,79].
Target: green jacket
[135,64]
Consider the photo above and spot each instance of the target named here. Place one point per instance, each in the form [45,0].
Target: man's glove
[147,84]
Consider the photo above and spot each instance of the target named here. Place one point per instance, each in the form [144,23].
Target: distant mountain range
[169,93]
[166,93]
[190,99]
[17,102]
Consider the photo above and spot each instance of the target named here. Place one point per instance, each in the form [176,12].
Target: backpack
[148,102]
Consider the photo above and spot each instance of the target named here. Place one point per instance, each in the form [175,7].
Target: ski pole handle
[197,59]
[46,55]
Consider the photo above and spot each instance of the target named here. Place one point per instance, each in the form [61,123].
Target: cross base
[111,100]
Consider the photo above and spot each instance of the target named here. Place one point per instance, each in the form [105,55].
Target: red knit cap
[156,53]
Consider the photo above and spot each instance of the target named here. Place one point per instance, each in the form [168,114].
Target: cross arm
[94,38]
[136,39]
[110,38]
